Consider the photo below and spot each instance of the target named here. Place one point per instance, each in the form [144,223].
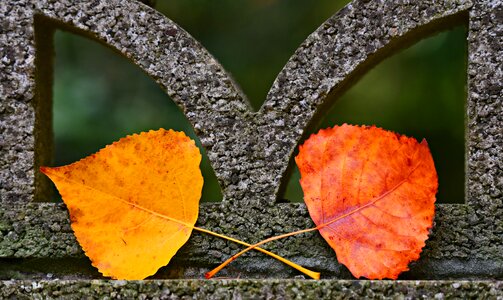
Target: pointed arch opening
[419,92]
[99,96]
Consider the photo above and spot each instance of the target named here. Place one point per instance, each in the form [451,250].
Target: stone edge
[251,289]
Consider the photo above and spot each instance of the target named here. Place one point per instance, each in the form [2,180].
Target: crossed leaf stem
[255,246]
[312,274]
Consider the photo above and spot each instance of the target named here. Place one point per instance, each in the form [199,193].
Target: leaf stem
[312,274]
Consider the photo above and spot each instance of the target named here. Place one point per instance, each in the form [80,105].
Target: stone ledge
[246,267]
[460,238]
[250,289]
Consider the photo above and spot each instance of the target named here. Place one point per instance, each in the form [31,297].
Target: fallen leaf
[134,203]
[371,194]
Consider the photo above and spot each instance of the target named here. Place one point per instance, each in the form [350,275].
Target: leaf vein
[159,215]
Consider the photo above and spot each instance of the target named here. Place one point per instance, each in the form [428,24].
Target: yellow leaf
[134,203]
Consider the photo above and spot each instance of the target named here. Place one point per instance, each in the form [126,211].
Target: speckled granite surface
[252,289]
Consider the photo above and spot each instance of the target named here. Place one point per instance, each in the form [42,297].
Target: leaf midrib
[159,215]
[371,202]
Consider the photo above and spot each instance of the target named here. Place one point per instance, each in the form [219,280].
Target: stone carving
[250,151]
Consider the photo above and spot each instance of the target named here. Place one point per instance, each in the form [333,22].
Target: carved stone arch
[344,48]
[193,78]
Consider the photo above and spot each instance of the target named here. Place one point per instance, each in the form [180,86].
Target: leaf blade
[150,203]
[378,159]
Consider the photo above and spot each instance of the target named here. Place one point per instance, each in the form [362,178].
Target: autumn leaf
[371,194]
[134,203]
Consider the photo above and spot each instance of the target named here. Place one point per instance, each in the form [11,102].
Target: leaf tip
[44,170]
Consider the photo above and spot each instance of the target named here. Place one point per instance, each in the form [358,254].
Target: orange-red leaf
[134,203]
[371,194]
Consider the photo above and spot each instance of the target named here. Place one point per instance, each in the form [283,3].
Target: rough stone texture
[250,151]
[17,111]
[485,111]
[251,289]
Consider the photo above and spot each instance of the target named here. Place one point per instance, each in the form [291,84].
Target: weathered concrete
[251,289]
[250,151]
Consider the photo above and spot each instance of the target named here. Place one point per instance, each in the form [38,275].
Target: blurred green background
[100,96]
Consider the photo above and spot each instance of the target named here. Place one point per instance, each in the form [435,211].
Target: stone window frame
[250,151]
